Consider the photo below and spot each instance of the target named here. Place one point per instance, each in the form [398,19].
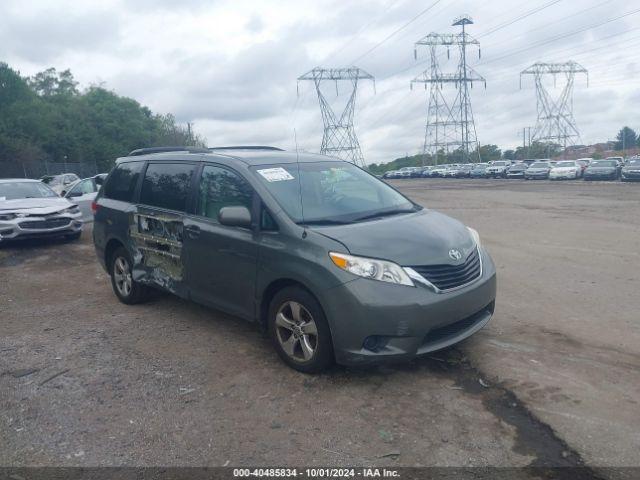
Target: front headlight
[72,209]
[7,216]
[372,269]
[475,235]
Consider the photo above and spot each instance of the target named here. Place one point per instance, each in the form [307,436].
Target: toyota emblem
[455,254]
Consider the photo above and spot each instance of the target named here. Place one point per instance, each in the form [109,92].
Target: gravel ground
[553,380]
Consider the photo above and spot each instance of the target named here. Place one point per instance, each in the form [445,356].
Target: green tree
[489,153]
[626,138]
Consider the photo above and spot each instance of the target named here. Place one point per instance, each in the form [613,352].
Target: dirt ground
[554,379]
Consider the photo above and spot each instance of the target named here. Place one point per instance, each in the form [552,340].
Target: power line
[559,37]
[388,37]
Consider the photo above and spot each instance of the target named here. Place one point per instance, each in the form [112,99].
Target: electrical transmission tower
[339,138]
[555,122]
[450,126]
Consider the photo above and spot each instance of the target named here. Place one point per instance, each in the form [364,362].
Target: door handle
[193,231]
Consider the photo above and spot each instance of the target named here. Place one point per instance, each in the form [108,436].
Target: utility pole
[450,126]
[339,137]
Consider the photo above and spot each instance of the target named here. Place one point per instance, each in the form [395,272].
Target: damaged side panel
[157,245]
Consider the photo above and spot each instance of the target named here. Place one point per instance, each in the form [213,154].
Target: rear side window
[167,185]
[122,181]
[220,187]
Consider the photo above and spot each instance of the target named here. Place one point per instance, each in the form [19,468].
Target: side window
[122,181]
[167,185]
[78,188]
[220,187]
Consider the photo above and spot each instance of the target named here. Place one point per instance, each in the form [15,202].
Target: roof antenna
[295,138]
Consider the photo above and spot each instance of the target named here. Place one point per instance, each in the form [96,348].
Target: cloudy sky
[230,66]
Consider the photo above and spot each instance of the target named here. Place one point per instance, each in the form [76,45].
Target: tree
[489,153]
[509,155]
[626,138]
[50,82]
[45,117]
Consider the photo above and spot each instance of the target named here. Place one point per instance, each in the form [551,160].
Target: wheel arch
[271,290]
[112,245]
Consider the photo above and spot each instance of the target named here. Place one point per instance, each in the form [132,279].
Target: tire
[120,270]
[73,236]
[292,312]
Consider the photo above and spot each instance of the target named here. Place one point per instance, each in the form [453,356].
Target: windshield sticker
[278,174]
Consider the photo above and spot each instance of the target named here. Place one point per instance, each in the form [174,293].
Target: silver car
[60,183]
[83,193]
[29,208]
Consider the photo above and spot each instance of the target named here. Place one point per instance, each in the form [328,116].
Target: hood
[35,206]
[538,169]
[421,238]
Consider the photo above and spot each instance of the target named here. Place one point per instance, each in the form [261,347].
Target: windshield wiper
[323,222]
[387,213]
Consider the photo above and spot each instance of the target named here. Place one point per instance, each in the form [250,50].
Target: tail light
[94,207]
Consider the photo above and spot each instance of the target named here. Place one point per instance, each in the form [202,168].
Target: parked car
[498,169]
[29,209]
[439,170]
[478,170]
[538,170]
[565,169]
[305,245]
[602,170]
[631,171]
[389,174]
[461,171]
[517,170]
[60,183]
[426,172]
[83,193]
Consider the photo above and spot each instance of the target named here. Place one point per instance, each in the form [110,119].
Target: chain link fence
[38,169]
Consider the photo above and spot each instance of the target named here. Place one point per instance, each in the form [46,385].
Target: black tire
[137,293]
[322,357]
[73,236]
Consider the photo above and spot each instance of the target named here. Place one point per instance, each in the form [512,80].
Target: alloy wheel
[122,276]
[296,331]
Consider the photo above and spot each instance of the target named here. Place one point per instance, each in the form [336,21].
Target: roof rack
[150,150]
[247,147]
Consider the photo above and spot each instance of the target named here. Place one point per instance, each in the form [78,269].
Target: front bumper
[600,176]
[398,322]
[630,175]
[33,226]
[536,175]
[515,175]
[563,175]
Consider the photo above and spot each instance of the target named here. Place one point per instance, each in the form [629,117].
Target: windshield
[603,163]
[479,167]
[330,192]
[500,164]
[635,163]
[565,164]
[16,190]
[540,165]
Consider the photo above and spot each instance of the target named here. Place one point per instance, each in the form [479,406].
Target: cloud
[231,66]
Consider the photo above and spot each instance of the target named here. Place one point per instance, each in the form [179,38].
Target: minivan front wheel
[124,286]
[299,330]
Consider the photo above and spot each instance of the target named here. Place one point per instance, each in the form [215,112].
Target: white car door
[82,194]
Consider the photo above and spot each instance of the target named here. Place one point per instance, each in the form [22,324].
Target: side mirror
[72,193]
[235,217]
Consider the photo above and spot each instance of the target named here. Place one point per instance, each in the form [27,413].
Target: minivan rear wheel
[299,330]
[124,286]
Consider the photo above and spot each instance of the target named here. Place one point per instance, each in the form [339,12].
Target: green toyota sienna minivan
[333,263]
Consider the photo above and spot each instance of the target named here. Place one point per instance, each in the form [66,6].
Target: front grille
[446,277]
[42,224]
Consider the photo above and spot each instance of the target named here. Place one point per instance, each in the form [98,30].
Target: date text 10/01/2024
[316,472]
